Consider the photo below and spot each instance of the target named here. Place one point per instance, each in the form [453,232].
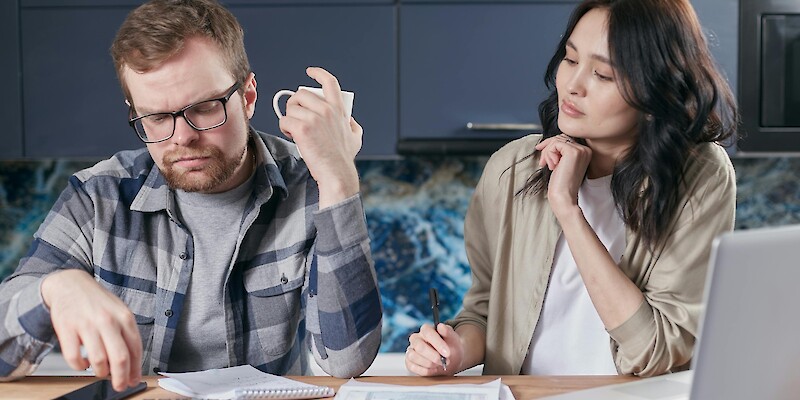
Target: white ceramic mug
[347,99]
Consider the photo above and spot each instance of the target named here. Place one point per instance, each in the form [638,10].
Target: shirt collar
[155,194]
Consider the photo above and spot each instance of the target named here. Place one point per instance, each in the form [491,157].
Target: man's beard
[205,179]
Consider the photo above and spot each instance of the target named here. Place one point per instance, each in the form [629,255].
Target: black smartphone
[102,390]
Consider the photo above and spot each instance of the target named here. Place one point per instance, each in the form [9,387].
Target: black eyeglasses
[201,116]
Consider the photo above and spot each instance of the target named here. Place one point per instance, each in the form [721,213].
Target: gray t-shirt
[214,222]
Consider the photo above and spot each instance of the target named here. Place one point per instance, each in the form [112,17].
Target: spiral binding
[296,393]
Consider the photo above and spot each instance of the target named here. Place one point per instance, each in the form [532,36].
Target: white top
[570,338]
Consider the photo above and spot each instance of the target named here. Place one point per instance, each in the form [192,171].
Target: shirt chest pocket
[142,304]
[274,310]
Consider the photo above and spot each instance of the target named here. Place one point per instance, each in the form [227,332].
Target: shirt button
[284,280]
[168,313]
[183,256]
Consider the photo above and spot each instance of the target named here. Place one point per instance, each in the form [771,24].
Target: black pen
[435,306]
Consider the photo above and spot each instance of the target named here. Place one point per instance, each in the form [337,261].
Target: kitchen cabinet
[355,43]
[72,105]
[422,70]
[10,109]
[227,3]
[474,64]
[483,1]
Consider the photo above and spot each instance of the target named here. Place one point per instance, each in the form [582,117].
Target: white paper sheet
[355,390]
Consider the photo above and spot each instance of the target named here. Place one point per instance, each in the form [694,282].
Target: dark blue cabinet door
[474,63]
[10,109]
[355,43]
[73,105]
[227,3]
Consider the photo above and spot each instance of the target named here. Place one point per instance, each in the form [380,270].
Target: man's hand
[84,313]
[328,140]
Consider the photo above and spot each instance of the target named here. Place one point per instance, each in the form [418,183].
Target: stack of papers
[355,390]
[243,382]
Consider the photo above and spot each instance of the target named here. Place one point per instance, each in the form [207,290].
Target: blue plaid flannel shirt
[302,278]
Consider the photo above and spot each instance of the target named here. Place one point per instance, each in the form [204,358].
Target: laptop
[749,341]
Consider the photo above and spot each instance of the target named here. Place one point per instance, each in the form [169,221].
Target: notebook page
[221,383]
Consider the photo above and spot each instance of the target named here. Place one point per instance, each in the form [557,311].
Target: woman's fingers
[426,349]
[552,150]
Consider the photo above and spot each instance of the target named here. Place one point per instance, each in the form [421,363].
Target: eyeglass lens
[201,116]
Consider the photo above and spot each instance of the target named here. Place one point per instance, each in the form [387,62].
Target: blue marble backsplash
[415,212]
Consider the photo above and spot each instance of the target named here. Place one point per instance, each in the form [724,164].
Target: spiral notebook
[242,382]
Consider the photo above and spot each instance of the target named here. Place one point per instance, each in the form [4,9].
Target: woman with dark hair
[589,244]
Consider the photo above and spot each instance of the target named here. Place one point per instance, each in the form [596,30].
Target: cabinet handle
[503,127]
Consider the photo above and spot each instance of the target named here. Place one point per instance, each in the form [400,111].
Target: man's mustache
[173,157]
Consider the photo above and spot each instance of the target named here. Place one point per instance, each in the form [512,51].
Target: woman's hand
[426,347]
[569,161]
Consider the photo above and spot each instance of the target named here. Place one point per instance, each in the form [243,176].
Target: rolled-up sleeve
[660,336]
[61,242]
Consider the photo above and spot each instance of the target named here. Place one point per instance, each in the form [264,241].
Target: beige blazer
[511,240]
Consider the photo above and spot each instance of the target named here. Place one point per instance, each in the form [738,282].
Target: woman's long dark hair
[666,71]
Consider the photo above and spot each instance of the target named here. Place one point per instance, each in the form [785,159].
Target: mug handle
[284,92]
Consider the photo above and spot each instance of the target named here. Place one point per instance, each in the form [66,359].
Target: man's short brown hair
[158,29]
